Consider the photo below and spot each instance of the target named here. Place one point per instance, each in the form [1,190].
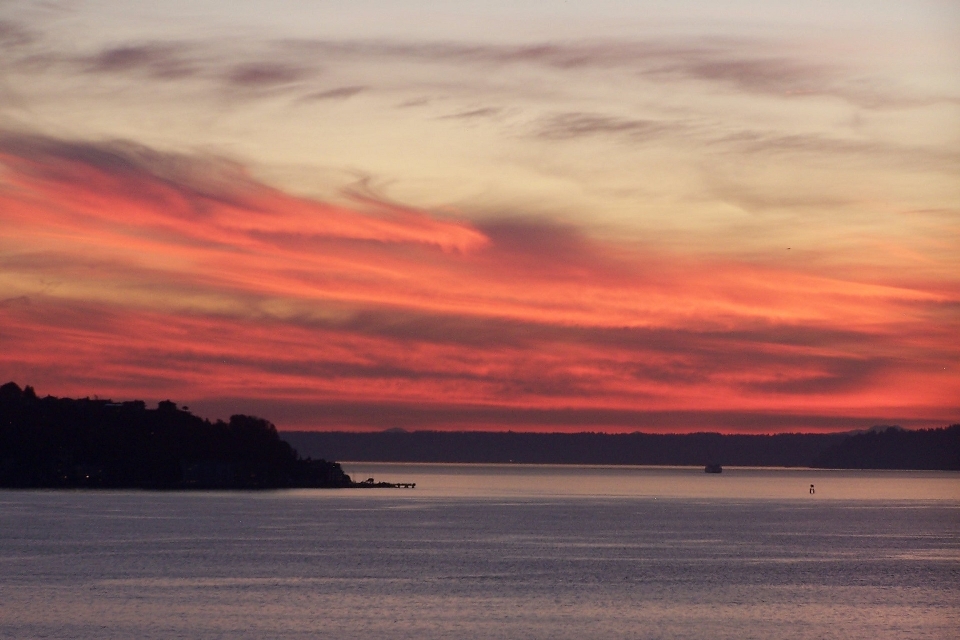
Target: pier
[371,483]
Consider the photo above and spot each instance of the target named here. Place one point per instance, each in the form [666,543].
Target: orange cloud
[130,273]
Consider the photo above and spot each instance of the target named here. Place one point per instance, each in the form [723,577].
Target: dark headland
[65,443]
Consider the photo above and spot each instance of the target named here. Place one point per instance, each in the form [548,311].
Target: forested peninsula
[66,443]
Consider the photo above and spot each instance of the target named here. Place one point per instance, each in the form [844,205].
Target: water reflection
[531,481]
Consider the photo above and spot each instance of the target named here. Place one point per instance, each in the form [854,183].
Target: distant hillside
[784,450]
[928,449]
[894,448]
[61,442]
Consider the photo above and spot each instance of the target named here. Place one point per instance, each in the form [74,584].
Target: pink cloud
[137,274]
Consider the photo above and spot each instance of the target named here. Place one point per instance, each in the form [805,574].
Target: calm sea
[488,551]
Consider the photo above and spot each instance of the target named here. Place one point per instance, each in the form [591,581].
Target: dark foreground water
[494,552]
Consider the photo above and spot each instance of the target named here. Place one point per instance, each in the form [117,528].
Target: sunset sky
[738,216]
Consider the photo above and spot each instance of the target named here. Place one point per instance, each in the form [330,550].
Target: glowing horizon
[695,228]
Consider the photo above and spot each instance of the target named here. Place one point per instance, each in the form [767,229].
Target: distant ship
[713,468]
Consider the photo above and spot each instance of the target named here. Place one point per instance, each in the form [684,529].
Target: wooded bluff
[62,442]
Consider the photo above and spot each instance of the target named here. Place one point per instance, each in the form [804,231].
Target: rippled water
[494,552]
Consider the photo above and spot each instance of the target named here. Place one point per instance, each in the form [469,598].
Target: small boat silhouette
[713,468]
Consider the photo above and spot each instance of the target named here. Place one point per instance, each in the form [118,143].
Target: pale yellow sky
[650,116]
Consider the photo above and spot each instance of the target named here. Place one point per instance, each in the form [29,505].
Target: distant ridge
[896,448]
[936,449]
[877,428]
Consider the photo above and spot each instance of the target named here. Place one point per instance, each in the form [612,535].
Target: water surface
[493,552]
[748,483]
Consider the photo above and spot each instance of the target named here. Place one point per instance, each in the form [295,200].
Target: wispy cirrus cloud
[264,75]
[482,112]
[338,93]
[14,35]
[577,124]
[162,61]
[744,65]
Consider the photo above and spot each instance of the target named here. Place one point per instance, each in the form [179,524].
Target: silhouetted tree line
[894,448]
[62,442]
[929,448]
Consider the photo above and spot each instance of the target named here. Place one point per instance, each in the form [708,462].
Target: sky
[537,216]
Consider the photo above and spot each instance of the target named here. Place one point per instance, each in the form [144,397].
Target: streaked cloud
[263,75]
[151,273]
[572,125]
[339,93]
[482,112]
[742,64]
[13,35]
[161,61]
